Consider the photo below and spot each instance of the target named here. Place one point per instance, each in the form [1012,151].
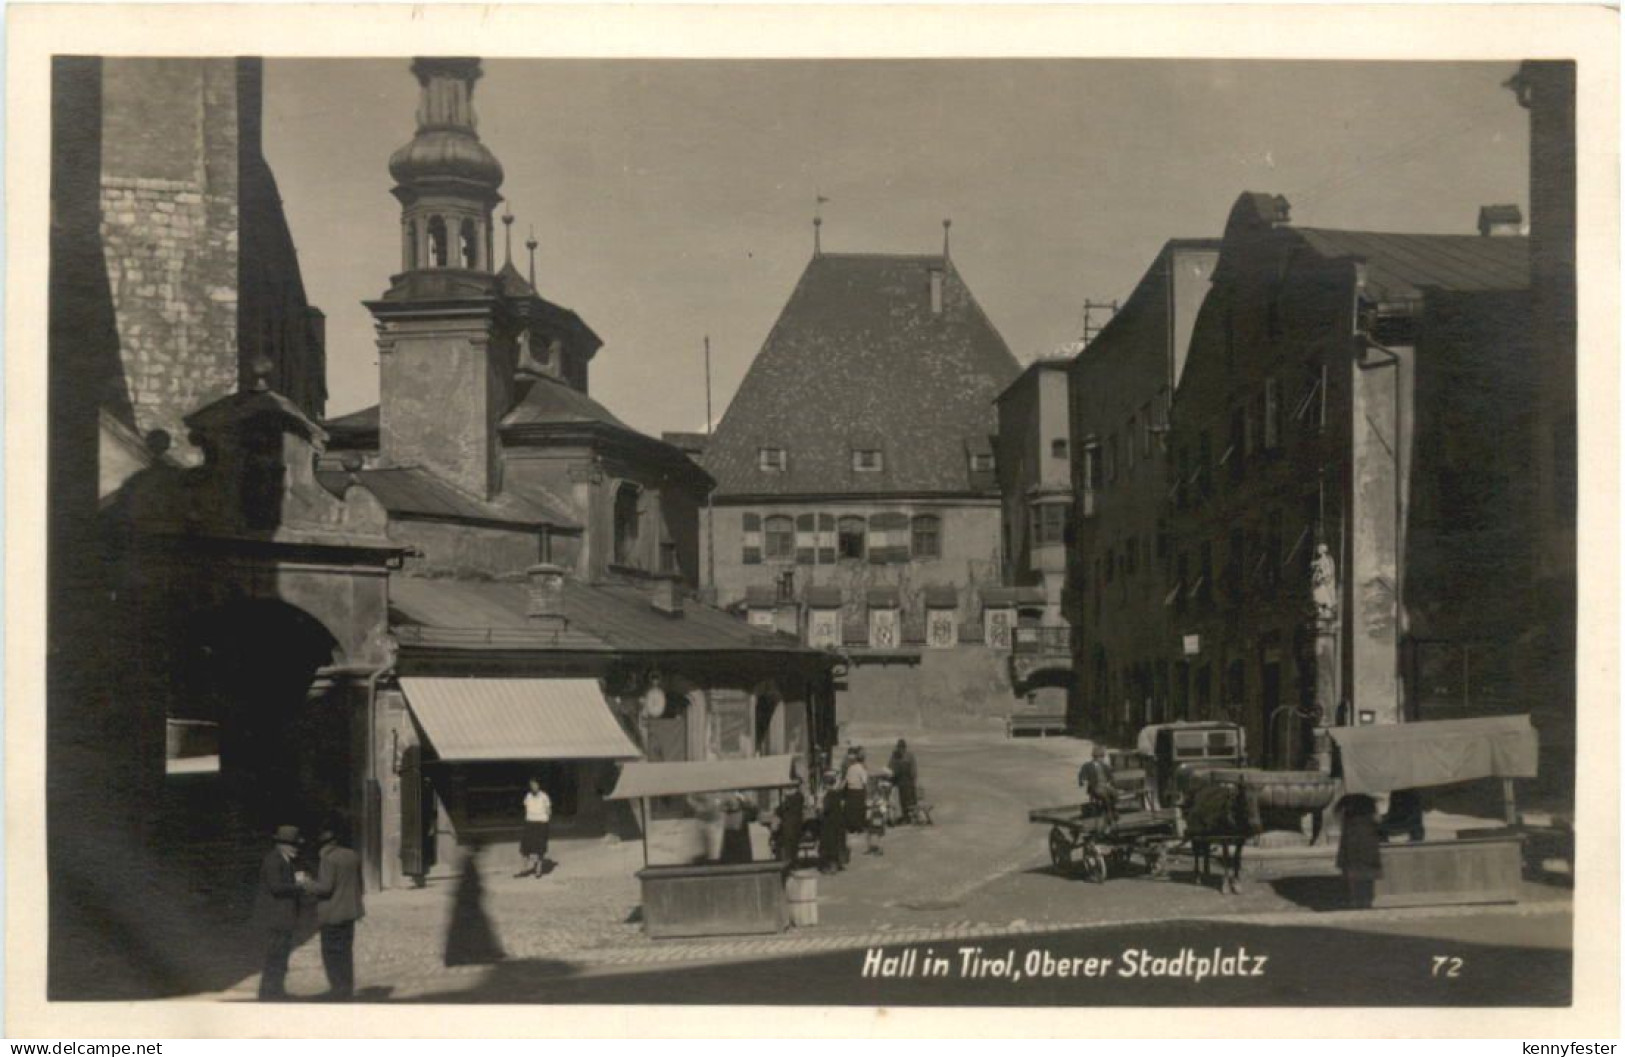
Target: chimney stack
[1500,220]
[545,604]
[666,595]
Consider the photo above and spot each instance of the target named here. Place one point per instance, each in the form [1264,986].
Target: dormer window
[867,460]
[981,462]
[770,459]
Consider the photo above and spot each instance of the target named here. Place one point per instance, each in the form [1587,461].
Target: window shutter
[826,539]
[806,539]
[752,524]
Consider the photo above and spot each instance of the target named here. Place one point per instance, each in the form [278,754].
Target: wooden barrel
[801,893]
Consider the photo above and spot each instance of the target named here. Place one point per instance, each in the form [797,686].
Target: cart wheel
[1060,848]
[1094,865]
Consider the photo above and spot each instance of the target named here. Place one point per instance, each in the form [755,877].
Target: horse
[1224,814]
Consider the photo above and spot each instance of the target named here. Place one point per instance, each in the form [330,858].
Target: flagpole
[710,508]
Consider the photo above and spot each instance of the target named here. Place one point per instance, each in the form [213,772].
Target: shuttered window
[751,526]
[779,538]
[888,539]
[926,539]
[806,539]
[826,539]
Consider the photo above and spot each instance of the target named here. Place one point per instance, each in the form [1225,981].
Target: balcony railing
[1042,640]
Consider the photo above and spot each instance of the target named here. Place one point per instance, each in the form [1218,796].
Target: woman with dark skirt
[792,810]
[735,830]
[1359,850]
[856,781]
[533,837]
[832,827]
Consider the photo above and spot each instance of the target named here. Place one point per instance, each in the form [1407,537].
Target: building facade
[1341,476]
[546,620]
[1119,390]
[199,576]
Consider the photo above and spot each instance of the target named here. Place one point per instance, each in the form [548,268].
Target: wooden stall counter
[1444,872]
[710,899]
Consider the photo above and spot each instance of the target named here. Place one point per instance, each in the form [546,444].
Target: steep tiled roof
[858,358]
[601,616]
[550,401]
[1401,267]
[417,491]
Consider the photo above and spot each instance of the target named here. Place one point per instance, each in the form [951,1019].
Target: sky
[673,200]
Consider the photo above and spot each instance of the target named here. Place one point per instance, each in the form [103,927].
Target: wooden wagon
[1081,838]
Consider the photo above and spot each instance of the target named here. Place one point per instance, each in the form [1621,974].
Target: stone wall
[169,228]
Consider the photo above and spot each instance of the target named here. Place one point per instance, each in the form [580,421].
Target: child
[879,799]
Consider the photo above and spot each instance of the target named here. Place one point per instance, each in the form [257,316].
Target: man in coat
[1100,784]
[337,889]
[276,911]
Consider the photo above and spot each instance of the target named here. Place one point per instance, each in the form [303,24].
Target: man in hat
[276,911]
[1098,781]
[337,889]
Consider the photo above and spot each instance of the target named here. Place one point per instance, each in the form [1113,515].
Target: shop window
[849,536]
[779,538]
[926,541]
[770,459]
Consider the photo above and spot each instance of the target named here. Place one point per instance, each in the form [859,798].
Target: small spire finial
[946,224]
[531,244]
[507,237]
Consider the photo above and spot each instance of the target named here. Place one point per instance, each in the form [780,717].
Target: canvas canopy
[708,776]
[1380,759]
[517,719]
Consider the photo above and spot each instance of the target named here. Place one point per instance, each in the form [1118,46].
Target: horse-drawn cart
[1081,838]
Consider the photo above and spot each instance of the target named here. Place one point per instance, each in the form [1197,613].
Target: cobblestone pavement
[981,871]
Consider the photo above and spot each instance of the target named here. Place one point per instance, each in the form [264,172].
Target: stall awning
[1380,759]
[708,776]
[517,719]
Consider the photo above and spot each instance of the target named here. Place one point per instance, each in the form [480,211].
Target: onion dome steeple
[446,179]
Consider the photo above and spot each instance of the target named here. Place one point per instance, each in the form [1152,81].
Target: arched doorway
[284,744]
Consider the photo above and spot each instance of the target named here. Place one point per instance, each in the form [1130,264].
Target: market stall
[708,899]
[1483,866]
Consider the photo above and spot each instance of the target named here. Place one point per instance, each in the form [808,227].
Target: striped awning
[517,719]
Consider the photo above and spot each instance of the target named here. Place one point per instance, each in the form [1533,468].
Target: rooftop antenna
[819,201]
[946,224]
[507,237]
[710,505]
[531,244]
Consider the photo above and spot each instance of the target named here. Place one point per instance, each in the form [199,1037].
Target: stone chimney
[666,595]
[1500,220]
[545,604]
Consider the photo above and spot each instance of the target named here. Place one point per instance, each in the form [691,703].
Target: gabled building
[855,466]
[1349,526]
[1119,388]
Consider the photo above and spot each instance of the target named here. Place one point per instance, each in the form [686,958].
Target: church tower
[446,334]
